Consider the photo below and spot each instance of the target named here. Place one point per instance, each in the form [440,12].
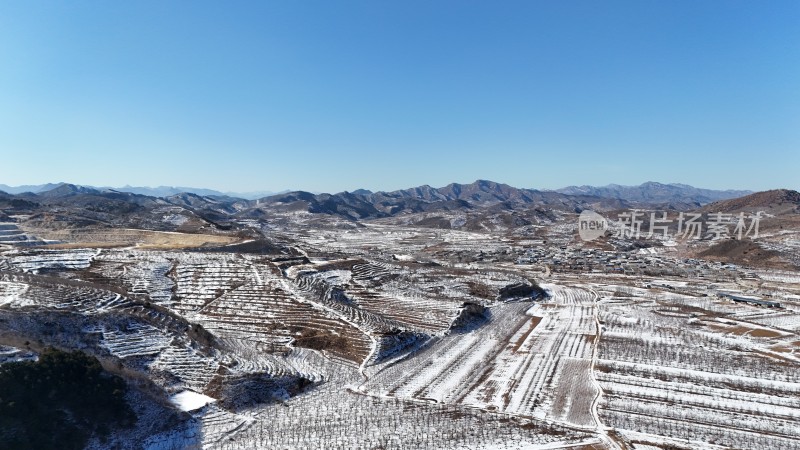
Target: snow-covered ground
[364,341]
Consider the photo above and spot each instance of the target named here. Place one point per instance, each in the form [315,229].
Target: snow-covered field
[532,360]
[393,337]
[698,370]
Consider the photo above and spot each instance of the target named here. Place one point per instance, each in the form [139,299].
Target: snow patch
[190,400]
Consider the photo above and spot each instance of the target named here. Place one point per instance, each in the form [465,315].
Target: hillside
[776,202]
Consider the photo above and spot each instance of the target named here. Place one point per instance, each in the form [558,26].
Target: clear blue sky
[334,95]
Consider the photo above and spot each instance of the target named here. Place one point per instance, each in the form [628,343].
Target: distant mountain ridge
[160,191]
[476,206]
[653,192]
[478,192]
[363,203]
[34,188]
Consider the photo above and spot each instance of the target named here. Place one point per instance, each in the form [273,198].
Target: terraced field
[528,360]
[393,337]
[698,369]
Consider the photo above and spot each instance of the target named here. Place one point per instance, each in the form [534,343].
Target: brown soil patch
[742,330]
[145,239]
[760,332]
[534,321]
[780,349]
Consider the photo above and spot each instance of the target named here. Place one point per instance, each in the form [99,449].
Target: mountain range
[363,203]
[481,205]
[652,192]
[160,191]
[481,191]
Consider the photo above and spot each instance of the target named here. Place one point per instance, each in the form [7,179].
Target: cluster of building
[592,260]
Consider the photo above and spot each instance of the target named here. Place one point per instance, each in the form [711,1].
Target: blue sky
[331,96]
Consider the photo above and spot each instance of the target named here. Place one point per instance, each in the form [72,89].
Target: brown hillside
[746,253]
[776,201]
